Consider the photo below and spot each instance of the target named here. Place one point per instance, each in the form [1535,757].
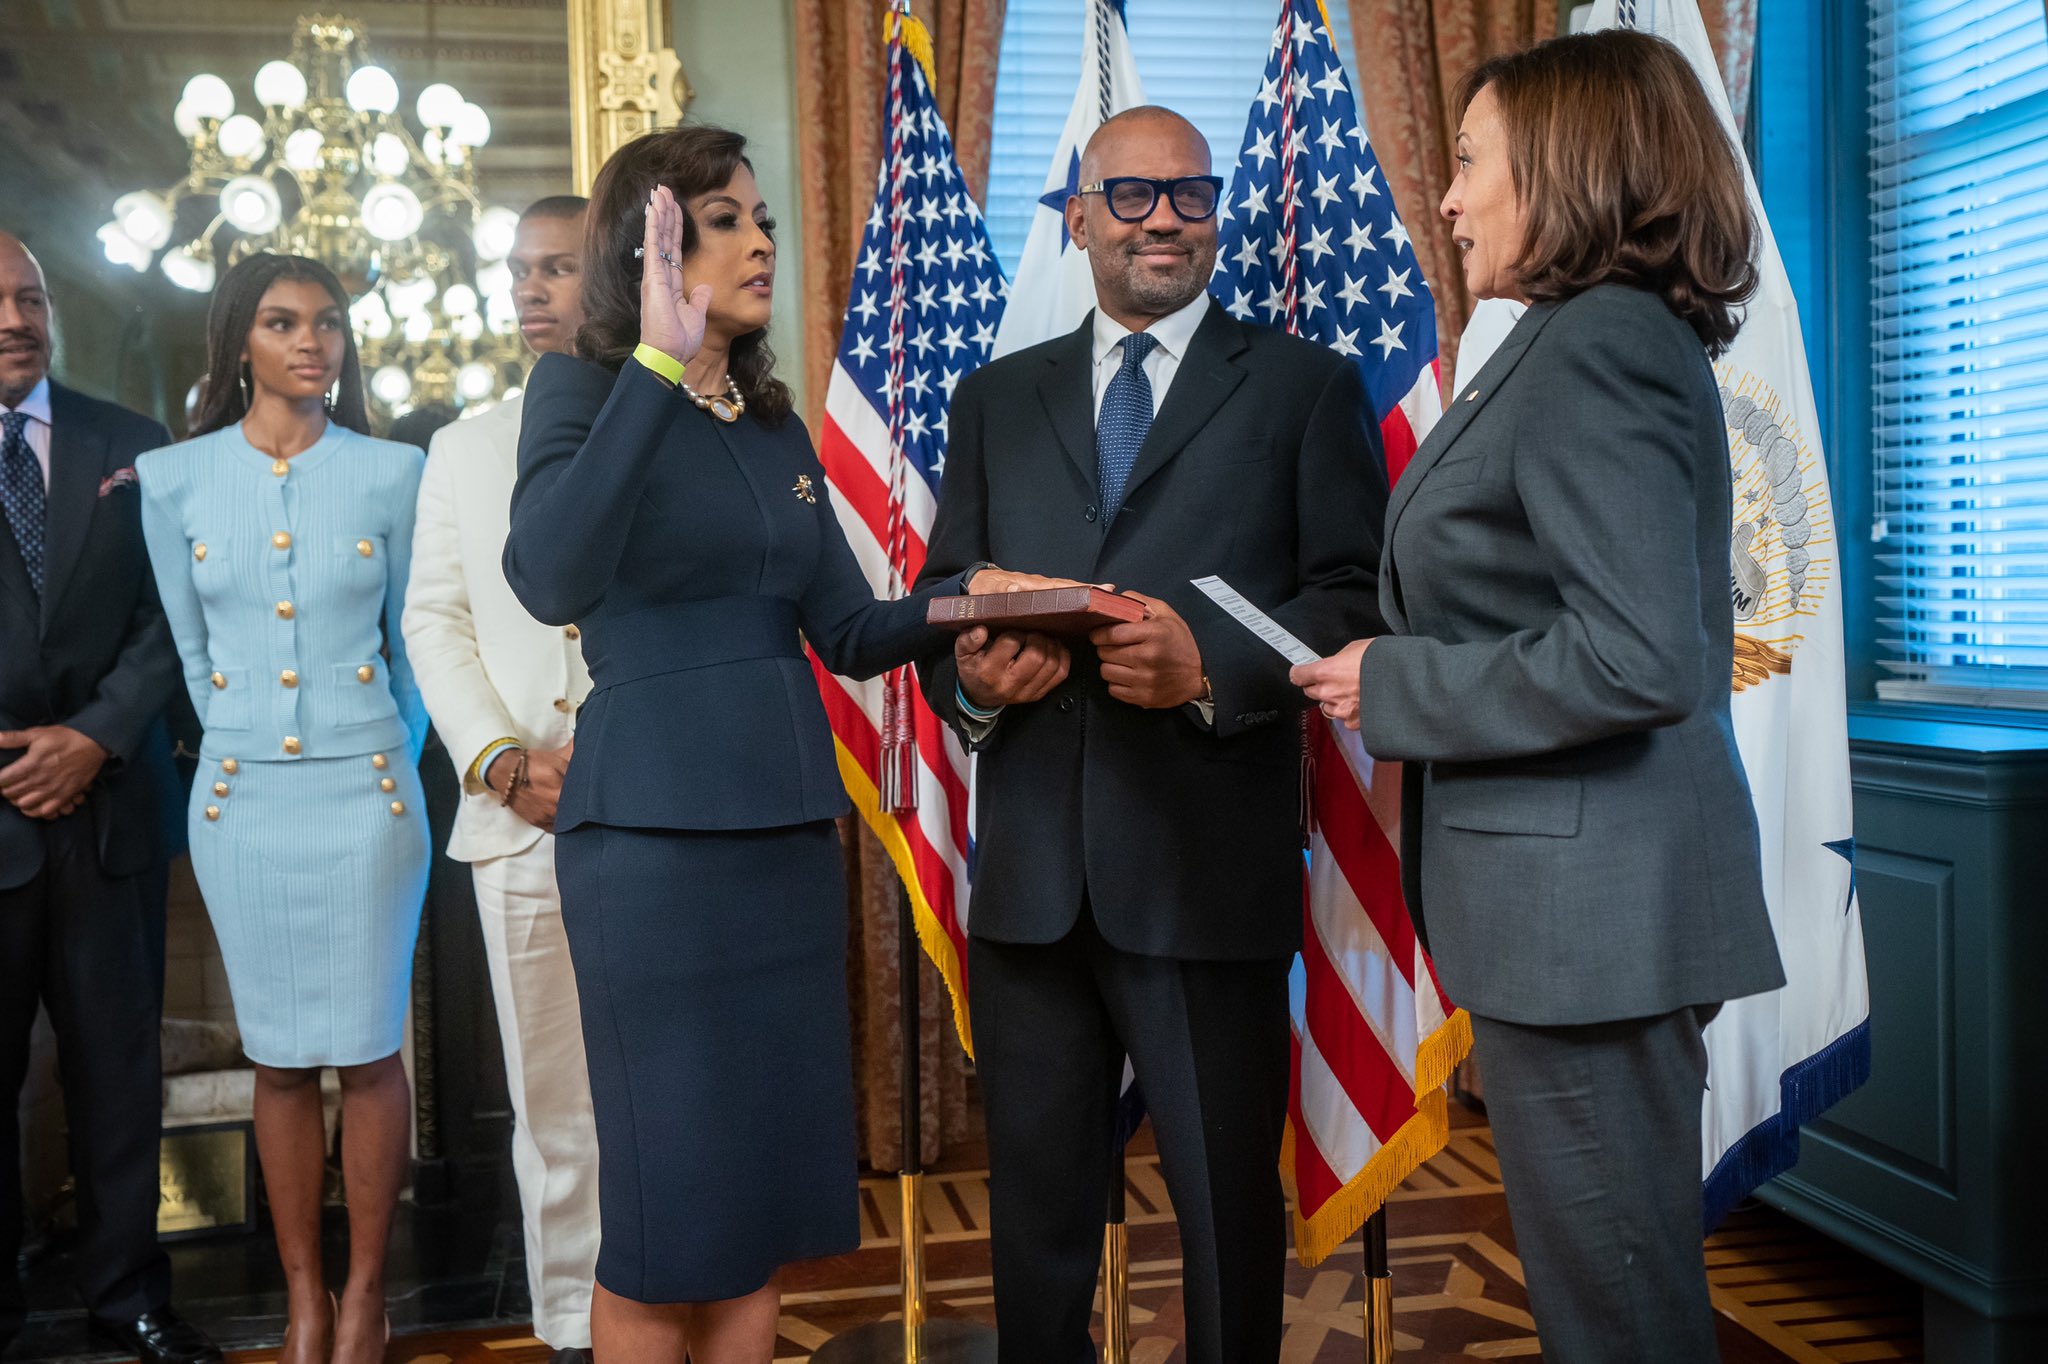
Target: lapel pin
[1473,396]
[803,488]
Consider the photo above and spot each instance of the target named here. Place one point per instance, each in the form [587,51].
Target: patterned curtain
[1410,56]
[840,58]
[1731,27]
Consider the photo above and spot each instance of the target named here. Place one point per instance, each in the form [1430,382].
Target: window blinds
[1958,101]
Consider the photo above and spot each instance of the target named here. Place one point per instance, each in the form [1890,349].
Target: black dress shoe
[569,1357]
[160,1337]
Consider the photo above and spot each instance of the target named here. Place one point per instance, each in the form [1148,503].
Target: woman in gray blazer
[1579,847]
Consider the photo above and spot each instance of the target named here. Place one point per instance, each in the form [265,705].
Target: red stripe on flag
[935,874]
[1315,1183]
[1363,855]
[1383,1096]
[855,482]
[1399,439]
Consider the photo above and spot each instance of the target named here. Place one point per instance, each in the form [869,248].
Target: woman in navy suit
[670,504]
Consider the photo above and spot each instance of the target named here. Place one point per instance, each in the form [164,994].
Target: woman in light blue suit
[280,535]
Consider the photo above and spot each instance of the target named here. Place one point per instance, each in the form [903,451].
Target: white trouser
[554,1137]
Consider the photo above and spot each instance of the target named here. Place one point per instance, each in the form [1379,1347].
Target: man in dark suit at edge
[86,665]
[1138,883]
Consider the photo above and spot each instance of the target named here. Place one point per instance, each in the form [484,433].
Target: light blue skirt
[313,874]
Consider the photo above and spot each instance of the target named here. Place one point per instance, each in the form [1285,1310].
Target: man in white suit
[503,690]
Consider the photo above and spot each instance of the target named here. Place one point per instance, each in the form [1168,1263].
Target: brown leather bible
[1051,611]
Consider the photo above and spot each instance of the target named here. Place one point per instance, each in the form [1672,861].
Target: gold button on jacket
[281,540]
[288,678]
[291,744]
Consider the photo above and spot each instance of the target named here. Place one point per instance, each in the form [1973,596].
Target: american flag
[927,295]
[1310,242]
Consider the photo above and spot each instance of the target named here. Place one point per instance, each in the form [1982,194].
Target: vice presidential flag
[927,295]
[1054,288]
[1777,1060]
[1311,242]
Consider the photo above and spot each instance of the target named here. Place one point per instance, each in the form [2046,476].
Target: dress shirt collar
[1173,332]
[37,403]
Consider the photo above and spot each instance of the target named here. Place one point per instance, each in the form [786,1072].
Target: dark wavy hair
[228,320]
[1626,174]
[691,160]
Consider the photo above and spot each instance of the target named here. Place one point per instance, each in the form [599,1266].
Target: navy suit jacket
[94,652]
[696,557]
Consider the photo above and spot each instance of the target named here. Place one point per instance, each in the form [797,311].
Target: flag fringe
[1422,1136]
[918,39]
[1805,1091]
[938,945]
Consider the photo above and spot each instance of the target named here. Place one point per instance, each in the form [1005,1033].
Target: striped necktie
[21,494]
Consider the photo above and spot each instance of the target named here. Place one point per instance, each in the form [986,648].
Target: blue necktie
[1121,426]
[21,494]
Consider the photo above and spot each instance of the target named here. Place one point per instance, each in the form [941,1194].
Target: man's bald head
[1145,129]
[24,321]
[1157,265]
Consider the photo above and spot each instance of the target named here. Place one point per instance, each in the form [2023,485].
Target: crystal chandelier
[329,170]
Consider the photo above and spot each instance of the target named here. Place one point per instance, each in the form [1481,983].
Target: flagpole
[1379,1291]
[1116,1267]
[915,1340]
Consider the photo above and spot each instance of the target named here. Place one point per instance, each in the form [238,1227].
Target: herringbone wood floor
[1783,1292]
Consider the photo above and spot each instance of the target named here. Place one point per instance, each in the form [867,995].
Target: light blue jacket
[283,582]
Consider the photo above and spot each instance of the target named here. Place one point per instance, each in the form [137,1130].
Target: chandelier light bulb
[241,138]
[493,235]
[302,149]
[209,97]
[502,313]
[370,318]
[188,269]
[391,385]
[431,146]
[186,119]
[472,127]
[392,212]
[280,85]
[459,301]
[121,248]
[469,328]
[388,156]
[418,328]
[372,90]
[145,218]
[438,105]
[408,297]
[494,279]
[251,204]
[475,381]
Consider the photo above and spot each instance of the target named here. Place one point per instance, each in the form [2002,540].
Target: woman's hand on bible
[992,580]
[669,322]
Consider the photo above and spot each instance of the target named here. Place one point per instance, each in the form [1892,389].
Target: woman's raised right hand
[669,322]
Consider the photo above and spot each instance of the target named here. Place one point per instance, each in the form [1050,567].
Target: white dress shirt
[37,434]
[1173,332]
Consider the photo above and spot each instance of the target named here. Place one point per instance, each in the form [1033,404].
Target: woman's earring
[333,399]
[242,378]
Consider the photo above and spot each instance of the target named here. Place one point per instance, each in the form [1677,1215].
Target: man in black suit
[1138,886]
[86,665]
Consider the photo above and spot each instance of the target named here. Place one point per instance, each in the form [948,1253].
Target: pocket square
[120,478]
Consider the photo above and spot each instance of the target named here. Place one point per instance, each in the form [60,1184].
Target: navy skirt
[712,970]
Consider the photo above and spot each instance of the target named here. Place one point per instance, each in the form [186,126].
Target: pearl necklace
[727,406]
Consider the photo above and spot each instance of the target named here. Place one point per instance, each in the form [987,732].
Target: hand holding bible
[1008,668]
[1154,662]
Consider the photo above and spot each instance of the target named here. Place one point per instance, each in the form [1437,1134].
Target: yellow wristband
[660,361]
[490,750]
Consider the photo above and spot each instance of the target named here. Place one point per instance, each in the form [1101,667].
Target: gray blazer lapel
[1067,389]
[1465,405]
[78,453]
[1205,380]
